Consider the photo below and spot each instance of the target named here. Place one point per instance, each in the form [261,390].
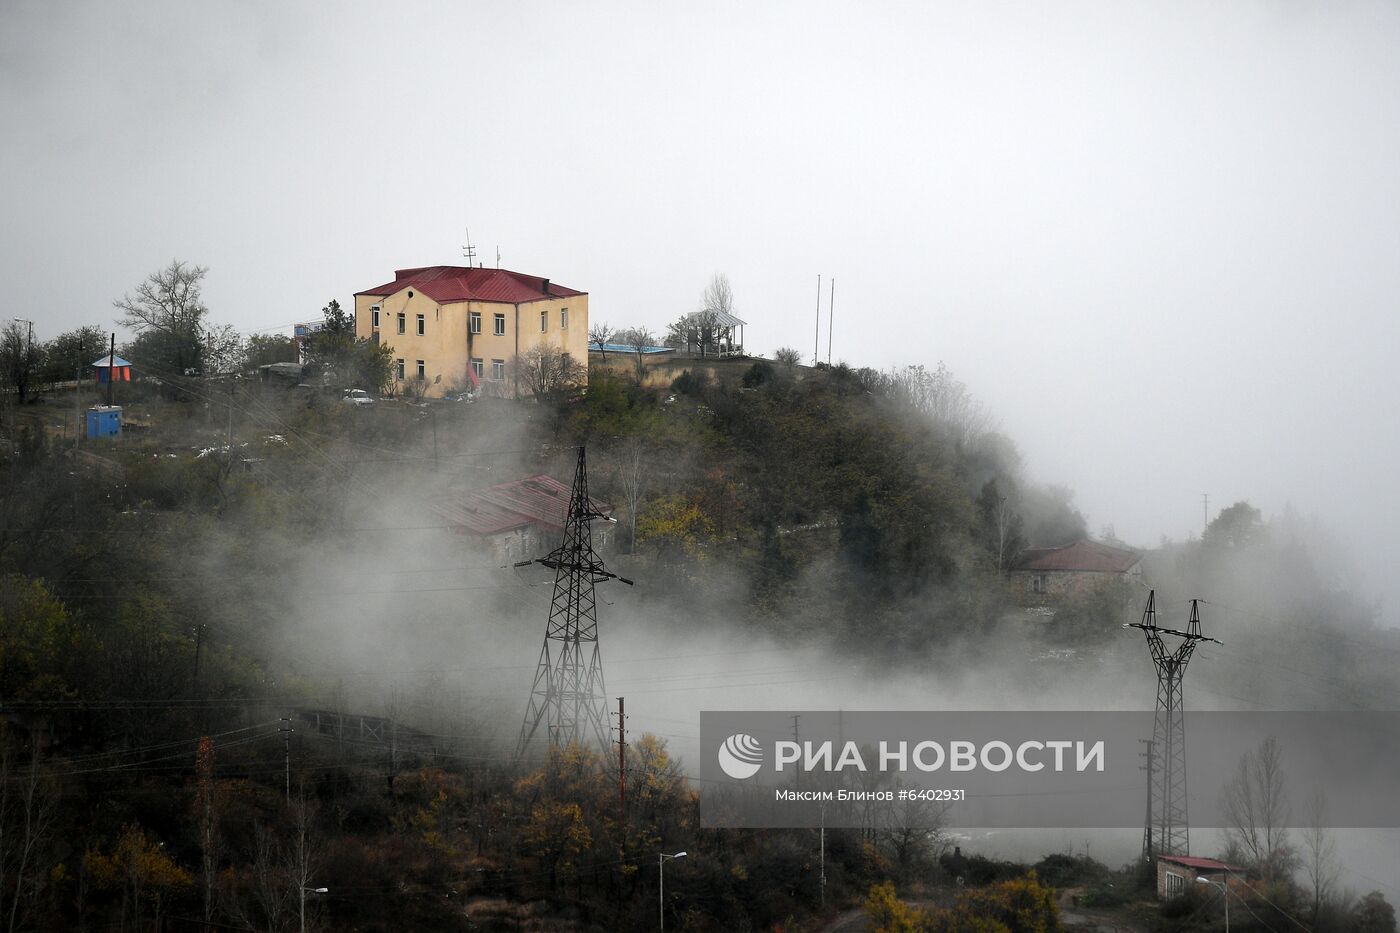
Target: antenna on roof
[498,257]
[468,250]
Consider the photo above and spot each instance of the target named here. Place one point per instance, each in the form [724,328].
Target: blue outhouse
[104,421]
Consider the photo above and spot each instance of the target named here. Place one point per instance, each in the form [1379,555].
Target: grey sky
[1159,240]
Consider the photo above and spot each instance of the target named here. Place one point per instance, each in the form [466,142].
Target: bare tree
[1319,852]
[168,314]
[303,857]
[633,473]
[599,335]
[1256,806]
[788,357]
[549,372]
[943,399]
[25,818]
[169,300]
[639,338]
[718,297]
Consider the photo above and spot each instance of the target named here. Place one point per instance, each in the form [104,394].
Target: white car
[357,397]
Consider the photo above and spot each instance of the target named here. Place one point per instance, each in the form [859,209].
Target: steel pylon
[569,698]
[1168,829]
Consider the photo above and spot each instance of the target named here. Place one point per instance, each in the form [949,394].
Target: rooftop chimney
[544,286]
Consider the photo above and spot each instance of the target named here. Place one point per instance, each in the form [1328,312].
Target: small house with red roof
[522,519]
[1047,574]
[1177,873]
[464,328]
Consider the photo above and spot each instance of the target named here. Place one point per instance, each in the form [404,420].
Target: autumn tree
[139,869]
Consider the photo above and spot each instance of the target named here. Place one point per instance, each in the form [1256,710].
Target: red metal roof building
[1083,556]
[446,284]
[464,328]
[1176,872]
[521,519]
[1073,569]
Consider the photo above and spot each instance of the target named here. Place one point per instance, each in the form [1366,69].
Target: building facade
[1077,569]
[458,328]
[1177,873]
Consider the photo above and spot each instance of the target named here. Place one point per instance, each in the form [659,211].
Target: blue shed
[104,421]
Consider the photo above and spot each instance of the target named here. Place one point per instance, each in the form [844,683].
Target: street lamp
[305,891]
[661,887]
[1225,892]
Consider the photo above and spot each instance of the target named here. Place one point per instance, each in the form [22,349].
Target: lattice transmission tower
[568,697]
[1168,830]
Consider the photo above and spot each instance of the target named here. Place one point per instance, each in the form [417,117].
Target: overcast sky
[1159,240]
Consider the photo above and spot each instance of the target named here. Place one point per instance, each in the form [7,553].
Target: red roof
[1082,555]
[1201,864]
[445,284]
[538,500]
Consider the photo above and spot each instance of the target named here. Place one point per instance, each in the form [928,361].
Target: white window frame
[403,323]
[563,318]
[479,367]
[1175,884]
[399,369]
[474,322]
[422,370]
[544,320]
[498,370]
[500,330]
[422,325]
[374,316]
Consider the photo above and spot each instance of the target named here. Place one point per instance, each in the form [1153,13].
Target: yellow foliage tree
[138,868]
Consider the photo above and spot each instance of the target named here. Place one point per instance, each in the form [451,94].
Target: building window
[401,322]
[544,321]
[399,367]
[422,371]
[420,325]
[500,325]
[474,319]
[1039,583]
[564,318]
[478,370]
[1175,884]
[498,369]
[374,314]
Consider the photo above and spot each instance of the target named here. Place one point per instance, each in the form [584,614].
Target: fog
[1158,241]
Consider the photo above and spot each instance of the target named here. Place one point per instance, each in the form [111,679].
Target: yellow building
[459,328]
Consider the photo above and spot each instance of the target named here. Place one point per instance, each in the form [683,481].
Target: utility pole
[796,772]
[1147,852]
[568,696]
[112,369]
[286,730]
[78,394]
[1172,829]
[830,318]
[1205,514]
[622,770]
[817,340]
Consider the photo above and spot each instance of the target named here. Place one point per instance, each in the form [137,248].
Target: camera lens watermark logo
[740,756]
